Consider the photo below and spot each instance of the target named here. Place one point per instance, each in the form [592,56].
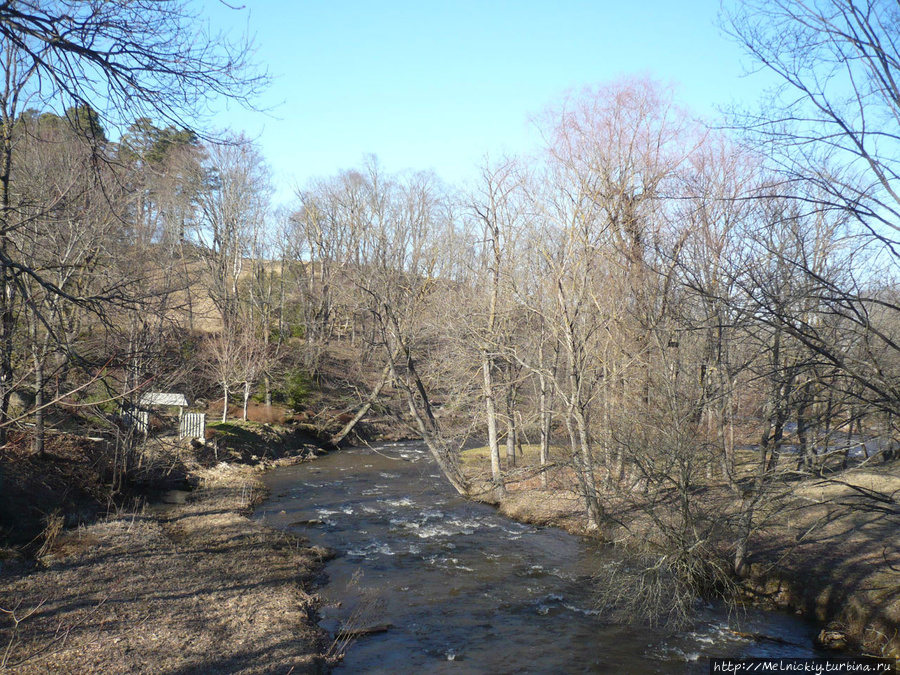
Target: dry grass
[835,555]
[526,499]
[526,455]
[544,507]
[192,588]
[366,617]
[53,527]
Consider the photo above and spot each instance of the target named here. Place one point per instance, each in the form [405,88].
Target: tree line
[681,318]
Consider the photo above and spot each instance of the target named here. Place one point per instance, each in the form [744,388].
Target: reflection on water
[462,589]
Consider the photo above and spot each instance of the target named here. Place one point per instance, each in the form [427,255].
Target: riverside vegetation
[681,339]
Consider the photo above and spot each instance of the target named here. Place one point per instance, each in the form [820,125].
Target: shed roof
[157,398]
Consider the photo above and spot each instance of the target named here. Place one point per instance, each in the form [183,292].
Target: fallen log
[365,630]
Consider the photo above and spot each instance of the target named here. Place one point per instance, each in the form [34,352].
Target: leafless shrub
[53,527]
[663,589]
[366,618]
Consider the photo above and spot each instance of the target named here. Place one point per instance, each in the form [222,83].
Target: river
[458,588]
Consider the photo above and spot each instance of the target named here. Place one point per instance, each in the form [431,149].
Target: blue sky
[438,84]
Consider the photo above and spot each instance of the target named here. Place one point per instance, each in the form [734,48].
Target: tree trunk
[510,428]
[510,442]
[412,385]
[545,422]
[745,524]
[38,439]
[364,408]
[491,411]
[807,451]
[546,403]
[586,471]
[7,280]
[38,353]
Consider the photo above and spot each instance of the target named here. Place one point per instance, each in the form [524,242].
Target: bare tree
[122,60]
[234,205]
[127,58]
[831,129]
[67,235]
[496,205]
[235,361]
[382,236]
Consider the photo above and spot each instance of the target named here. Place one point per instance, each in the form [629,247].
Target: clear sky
[437,84]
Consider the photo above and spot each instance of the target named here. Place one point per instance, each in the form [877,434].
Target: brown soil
[192,588]
[68,479]
[256,412]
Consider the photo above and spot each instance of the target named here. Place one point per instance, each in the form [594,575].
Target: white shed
[156,398]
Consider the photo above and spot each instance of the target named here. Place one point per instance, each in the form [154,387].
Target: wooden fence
[192,425]
[139,419]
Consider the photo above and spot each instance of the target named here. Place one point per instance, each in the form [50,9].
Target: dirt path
[193,588]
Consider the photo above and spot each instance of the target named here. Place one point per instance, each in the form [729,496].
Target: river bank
[831,557]
[437,583]
[198,587]
[174,588]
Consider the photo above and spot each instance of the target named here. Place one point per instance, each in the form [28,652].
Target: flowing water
[456,588]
